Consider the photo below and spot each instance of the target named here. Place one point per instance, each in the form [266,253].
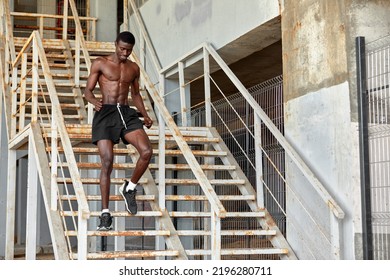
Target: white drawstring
[120,113]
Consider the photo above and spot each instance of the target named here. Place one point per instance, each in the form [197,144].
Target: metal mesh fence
[269,95]
[378,79]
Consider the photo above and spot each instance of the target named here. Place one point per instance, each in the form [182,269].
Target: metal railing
[63,27]
[328,230]
[40,104]
[240,141]
[51,114]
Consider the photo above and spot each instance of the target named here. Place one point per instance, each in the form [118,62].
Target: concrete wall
[106,26]
[321,116]
[47,7]
[178,26]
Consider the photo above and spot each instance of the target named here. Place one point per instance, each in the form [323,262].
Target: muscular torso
[115,80]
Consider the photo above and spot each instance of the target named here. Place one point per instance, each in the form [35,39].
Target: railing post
[335,234]
[364,148]
[93,31]
[10,212]
[65,21]
[35,78]
[14,97]
[207,92]
[77,59]
[208,123]
[182,92]
[82,245]
[161,149]
[161,165]
[125,14]
[41,26]
[215,236]
[54,163]
[22,103]
[120,224]
[32,203]
[259,162]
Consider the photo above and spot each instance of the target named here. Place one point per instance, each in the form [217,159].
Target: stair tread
[167,181]
[212,181]
[167,197]
[133,253]
[203,197]
[94,150]
[112,197]
[240,251]
[178,214]
[150,232]
[97,165]
[115,181]
[249,232]
[118,213]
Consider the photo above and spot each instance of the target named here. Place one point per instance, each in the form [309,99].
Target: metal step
[122,233]
[116,214]
[130,254]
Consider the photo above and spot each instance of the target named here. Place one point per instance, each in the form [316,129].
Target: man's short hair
[126,37]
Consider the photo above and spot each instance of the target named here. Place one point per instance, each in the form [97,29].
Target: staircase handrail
[8,54]
[9,30]
[59,120]
[80,34]
[80,43]
[209,191]
[309,174]
[316,183]
[331,204]
[145,35]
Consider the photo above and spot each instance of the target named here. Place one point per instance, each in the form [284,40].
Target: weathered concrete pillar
[319,73]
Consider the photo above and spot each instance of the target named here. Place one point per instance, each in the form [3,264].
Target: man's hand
[148,122]
[98,105]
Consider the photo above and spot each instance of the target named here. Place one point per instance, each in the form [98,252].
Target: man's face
[123,50]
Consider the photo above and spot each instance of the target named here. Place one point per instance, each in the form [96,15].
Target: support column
[32,200]
[10,213]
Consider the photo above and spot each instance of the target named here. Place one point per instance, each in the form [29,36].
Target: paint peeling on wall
[197,11]
[182,10]
[203,11]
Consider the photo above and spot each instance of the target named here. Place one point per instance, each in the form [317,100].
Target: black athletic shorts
[113,122]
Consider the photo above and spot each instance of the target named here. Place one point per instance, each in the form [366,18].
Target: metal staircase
[57,153]
[47,115]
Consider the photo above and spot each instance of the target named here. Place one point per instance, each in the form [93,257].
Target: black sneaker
[129,198]
[105,222]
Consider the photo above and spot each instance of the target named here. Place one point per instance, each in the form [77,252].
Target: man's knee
[146,154]
[106,165]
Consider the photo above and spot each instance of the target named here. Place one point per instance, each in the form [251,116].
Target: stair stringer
[267,222]
[148,104]
[173,241]
[53,217]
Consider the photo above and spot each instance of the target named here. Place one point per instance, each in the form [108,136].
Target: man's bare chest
[122,73]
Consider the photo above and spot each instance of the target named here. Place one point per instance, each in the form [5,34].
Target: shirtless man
[114,119]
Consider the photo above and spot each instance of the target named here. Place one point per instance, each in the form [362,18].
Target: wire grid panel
[269,95]
[378,78]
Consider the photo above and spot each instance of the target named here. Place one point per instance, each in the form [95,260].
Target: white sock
[130,186]
[105,211]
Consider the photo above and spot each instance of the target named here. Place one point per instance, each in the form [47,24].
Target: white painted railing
[204,52]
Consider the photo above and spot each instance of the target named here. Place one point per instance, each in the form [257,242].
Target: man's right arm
[91,84]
